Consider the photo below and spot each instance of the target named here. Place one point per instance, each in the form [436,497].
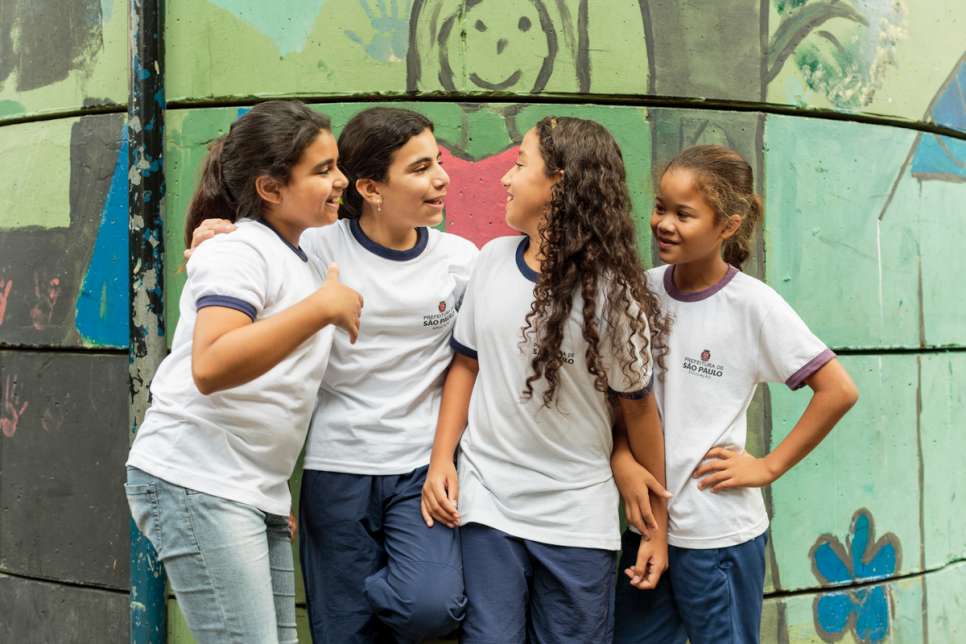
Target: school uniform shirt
[380,397]
[242,443]
[724,341]
[536,472]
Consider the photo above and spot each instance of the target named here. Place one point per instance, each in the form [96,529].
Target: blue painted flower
[863,608]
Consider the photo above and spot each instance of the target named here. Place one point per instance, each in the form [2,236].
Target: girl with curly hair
[554,325]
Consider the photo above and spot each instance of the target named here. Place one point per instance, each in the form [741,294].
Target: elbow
[848,395]
[204,380]
[851,395]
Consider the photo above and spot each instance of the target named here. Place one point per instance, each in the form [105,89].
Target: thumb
[332,272]
[656,487]
[453,488]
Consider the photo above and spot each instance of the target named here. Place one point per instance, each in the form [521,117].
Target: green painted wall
[851,111]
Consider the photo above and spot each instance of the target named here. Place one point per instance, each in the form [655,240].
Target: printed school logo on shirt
[443,317]
[703,367]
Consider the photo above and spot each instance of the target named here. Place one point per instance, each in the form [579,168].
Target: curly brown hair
[587,243]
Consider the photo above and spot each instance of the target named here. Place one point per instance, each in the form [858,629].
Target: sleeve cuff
[462,349]
[633,395]
[227,302]
[798,378]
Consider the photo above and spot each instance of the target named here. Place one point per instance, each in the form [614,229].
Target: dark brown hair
[589,247]
[728,184]
[266,141]
[367,145]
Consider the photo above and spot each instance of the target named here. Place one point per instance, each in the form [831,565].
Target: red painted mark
[11,410]
[47,295]
[476,202]
[6,285]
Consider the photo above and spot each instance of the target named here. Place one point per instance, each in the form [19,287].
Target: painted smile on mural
[500,44]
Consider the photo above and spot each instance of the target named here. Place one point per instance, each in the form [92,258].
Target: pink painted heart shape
[476,202]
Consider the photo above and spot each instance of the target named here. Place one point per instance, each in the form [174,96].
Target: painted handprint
[47,292]
[6,285]
[390,25]
[11,409]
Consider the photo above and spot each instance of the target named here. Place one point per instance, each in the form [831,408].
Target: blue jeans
[711,596]
[373,571]
[229,564]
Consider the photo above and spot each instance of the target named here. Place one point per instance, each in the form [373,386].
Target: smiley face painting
[481,46]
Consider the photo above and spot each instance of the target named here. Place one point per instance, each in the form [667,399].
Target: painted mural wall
[853,113]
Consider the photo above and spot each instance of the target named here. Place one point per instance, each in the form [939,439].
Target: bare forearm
[645,438]
[823,412]
[834,395]
[247,352]
[644,435]
[454,408]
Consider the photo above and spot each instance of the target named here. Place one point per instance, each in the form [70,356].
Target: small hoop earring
[379,206]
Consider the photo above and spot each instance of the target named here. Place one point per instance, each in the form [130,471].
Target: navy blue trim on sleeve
[462,349]
[422,238]
[633,395]
[227,302]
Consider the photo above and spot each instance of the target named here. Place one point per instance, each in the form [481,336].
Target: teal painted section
[102,305]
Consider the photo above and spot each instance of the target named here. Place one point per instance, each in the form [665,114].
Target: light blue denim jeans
[229,564]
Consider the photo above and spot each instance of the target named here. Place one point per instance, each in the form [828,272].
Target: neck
[289,232]
[701,273]
[380,230]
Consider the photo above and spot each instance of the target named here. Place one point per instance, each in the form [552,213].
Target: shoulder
[655,279]
[246,250]
[501,245]
[457,250]
[321,241]
[324,234]
[755,293]
[248,238]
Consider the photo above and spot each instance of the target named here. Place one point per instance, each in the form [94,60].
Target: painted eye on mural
[480,25]
[524,24]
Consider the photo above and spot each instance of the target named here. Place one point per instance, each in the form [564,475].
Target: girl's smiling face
[528,187]
[415,186]
[311,196]
[685,226]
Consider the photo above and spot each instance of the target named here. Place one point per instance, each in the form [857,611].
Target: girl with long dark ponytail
[207,475]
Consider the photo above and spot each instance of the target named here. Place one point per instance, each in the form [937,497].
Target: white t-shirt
[724,341]
[535,472]
[242,443]
[380,396]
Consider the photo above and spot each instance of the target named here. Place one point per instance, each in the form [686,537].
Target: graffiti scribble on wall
[864,610]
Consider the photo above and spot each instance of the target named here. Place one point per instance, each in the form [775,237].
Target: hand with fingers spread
[441,494]
[206,230]
[343,305]
[652,561]
[636,485]
[724,468]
